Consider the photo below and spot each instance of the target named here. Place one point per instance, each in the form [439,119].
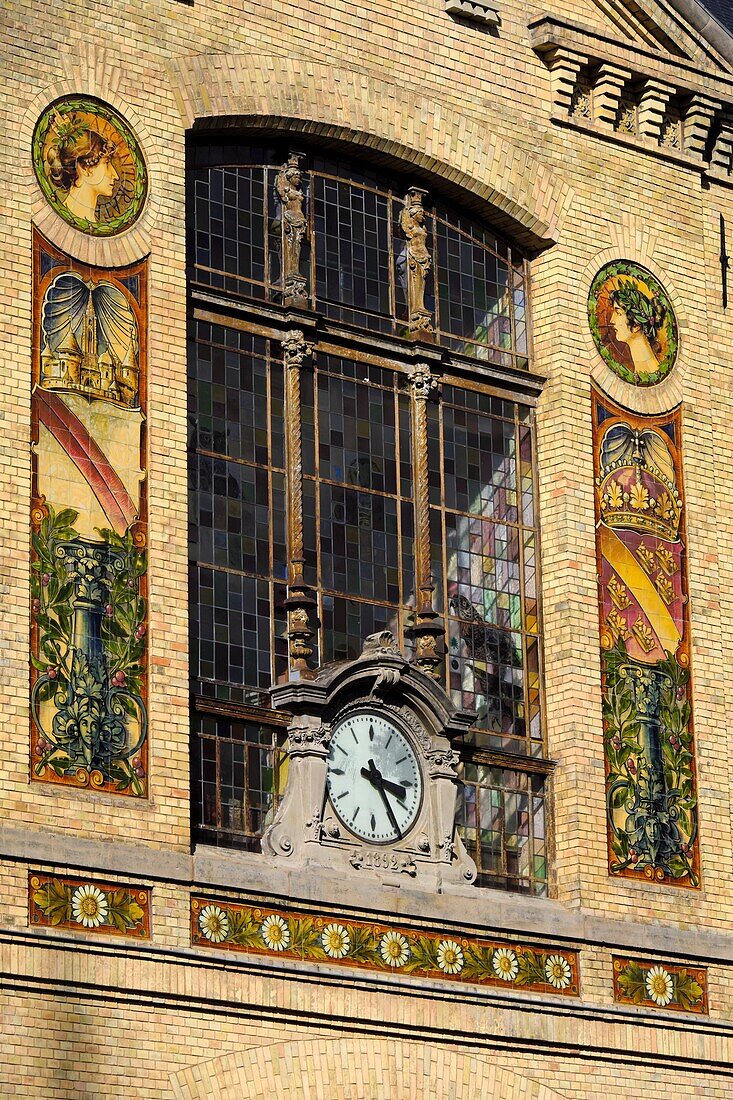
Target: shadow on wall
[355,1069]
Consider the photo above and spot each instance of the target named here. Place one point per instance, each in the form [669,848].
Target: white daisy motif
[393,949]
[558,972]
[214,923]
[275,933]
[89,906]
[450,957]
[505,964]
[659,986]
[335,941]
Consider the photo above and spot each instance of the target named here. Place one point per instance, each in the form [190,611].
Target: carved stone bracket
[292,225]
[698,122]
[419,262]
[486,12]
[652,106]
[564,68]
[607,93]
[301,602]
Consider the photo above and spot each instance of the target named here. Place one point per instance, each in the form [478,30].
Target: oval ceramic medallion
[633,323]
[89,165]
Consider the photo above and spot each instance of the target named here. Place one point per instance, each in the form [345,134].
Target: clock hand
[375,778]
[394,788]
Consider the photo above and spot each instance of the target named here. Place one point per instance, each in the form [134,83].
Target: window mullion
[300,602]
[428,629]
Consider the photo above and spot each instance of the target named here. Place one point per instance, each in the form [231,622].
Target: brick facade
[90,1015]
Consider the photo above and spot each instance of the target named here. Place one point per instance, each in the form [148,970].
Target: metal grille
[484,562]
[355,252]
[236,774]
[237,549]
[359,522]
[358,494]
[501,819]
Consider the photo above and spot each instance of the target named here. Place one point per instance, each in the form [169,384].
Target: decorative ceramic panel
[227,925]
[88,545]
[633,323]
[83,905]
[660,985]
[89,165]
[645,645]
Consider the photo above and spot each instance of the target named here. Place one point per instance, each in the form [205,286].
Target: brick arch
[355,1068]
[525,199]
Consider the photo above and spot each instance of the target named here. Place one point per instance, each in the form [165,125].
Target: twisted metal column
[300,603]
[428,631]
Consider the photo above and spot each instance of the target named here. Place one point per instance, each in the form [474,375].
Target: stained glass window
[356,414]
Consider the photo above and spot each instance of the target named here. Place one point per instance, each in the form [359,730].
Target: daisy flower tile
[281,933]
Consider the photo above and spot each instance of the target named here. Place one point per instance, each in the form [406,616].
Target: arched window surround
[423,384]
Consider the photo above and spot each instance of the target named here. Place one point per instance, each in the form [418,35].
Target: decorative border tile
[660,985]
[227,925]
[109,908]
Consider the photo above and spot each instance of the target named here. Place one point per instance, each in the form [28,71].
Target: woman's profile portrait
[633,323]
[89,165]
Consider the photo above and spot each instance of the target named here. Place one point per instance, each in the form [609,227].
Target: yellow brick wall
[407,79]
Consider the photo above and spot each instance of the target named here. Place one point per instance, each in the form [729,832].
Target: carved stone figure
[412,223]
[293,226]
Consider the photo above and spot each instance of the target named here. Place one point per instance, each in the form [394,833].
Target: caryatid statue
[293,225]
[412,223]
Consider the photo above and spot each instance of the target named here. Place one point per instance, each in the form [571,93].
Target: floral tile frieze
[282,933]
[89,906]
[660,985]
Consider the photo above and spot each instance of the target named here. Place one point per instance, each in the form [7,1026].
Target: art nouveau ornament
[633,323]
[372,779]
[89,165]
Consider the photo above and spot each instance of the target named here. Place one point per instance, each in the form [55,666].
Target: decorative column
[412,223]
[698,121]
[654,99]
[293,227]
[301,602]
[607,93]
[428,630]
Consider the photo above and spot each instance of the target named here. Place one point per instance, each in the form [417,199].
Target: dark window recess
[354,252]
[358,494]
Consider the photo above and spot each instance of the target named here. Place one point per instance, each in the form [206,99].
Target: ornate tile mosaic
[85,905]
[660,985]
[227,925]
[88,525]
[651,786]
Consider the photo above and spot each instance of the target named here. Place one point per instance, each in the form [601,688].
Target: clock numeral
[400,761]
[340,771]
[374,822]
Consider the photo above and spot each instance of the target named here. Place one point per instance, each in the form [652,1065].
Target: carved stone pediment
[397,817]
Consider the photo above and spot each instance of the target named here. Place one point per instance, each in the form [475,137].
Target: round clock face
[374,779]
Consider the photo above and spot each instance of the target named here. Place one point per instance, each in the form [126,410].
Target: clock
[373,778]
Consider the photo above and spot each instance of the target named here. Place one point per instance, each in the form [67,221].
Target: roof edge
[707,25]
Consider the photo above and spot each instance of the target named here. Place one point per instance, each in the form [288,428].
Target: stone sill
[248,875]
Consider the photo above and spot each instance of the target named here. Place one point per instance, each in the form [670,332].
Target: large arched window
[361,458]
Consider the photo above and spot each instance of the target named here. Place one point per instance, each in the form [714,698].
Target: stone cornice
[490,911]
[548,32]
[628,94]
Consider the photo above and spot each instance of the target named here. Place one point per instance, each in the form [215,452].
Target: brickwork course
[481,108]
